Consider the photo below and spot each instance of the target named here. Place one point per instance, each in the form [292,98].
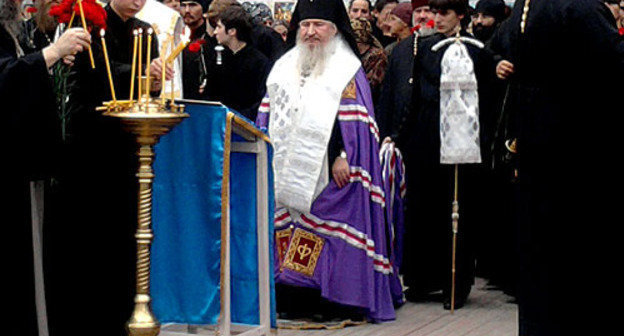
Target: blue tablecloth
[186,222]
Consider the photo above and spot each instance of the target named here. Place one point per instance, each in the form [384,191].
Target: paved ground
[487,313]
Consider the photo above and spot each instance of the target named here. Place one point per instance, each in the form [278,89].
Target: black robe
[396,90]
[240,82]
[90,245]
[268,42]
[569,65]
[196,64]
[428,236]
[497,253]
[28,138]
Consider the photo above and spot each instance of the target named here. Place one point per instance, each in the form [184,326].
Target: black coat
[396,90]
[569,64]
[240,82]
[28,137]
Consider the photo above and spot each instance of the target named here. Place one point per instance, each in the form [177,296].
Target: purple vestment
[340,247]
[393,173]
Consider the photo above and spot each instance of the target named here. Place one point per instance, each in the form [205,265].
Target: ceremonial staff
[459,122]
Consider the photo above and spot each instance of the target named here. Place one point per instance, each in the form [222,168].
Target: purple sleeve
[262,120]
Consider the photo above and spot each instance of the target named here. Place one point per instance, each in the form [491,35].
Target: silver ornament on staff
[459,121]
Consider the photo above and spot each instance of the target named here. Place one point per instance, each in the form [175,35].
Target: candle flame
[150,31]
[135,32]
[102,32]
[140,30]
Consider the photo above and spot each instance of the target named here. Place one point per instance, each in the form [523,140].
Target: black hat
[203,3]
[494,8]
[329,10]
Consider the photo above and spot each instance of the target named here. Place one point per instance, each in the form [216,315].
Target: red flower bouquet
[94,14]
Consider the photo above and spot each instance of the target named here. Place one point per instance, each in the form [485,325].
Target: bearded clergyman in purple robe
[331,238]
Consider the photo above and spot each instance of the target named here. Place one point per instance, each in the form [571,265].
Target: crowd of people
[356,99]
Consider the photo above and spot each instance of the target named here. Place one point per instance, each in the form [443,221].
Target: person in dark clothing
[31,136]
[487,17]
[565,65]
[39,30]
[427,258]
[195,63]
[497,254]
[383,9]
[90,244]
[396,89]
[396,94]
[240,82]
[263,38]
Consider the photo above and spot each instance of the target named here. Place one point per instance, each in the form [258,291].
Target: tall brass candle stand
[148,119]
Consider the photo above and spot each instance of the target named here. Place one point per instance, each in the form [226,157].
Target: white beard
[312,60]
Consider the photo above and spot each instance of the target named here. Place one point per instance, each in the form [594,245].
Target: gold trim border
[294,243]
[225,203]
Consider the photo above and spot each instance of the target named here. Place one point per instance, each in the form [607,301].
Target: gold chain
[525,16]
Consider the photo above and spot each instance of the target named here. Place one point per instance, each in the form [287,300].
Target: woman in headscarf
[374,59]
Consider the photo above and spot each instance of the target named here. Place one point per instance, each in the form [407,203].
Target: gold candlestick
[108,70]
[148,123]
[134,55]
[148,61]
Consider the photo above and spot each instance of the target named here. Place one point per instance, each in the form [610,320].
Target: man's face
[359,9]
[127,8]
[173,4]
[447,21]
[221,33]
[422,15]
[395,25]
[315,32]
[191,12]
[483,20]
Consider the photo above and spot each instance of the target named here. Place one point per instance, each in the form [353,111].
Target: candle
[134,55]
[148,61]
[163,64]
[108,70]
[140,71]
[185,39]
[71,20]
[84,26]
[172,91]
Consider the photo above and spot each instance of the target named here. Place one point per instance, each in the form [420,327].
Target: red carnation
[31,10]
[621,31]
[415,28]
[195,46]
[94,14]
[430,24]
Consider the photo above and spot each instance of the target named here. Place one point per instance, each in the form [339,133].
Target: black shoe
[459,303]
